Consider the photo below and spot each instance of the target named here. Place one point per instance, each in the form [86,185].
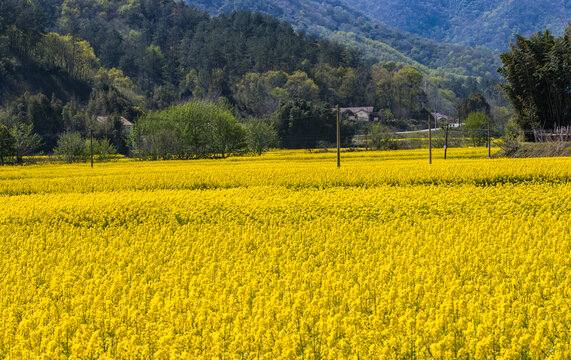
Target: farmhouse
[441,117]
[127,125]
[365,113]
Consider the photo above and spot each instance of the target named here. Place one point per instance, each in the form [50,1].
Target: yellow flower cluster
[285,256]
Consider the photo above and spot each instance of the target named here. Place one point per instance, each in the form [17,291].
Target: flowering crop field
[284,256]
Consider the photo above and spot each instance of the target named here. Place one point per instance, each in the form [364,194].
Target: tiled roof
[439,116]
[354,110]
[125,122]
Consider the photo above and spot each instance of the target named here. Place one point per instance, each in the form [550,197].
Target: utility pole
[429,140]
[338,136]
[489,140]
[91,146]
[446,129]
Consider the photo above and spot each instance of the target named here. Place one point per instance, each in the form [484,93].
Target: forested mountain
[339,20]
[478,22]
[63,63]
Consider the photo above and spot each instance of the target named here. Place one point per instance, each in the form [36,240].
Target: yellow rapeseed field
[285,256]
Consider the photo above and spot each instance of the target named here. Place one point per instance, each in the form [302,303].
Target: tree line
[538,80]
[63,64]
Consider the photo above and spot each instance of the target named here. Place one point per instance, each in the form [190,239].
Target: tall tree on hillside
[43,114]
[473,103]
[538,79]
[25,140]
[6,144]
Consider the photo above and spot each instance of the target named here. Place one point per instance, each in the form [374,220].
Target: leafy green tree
[476,127]
[25,140]
[67,52]
[302,124]
[300,86]
[259,94]
[537,74]
[44,114]
[102,148]
[261,136]
[356,87]
[473,103]
[154,66]
[195,129]
[382,137]
[409,92]
[7,143]
[228,135]
[71,147]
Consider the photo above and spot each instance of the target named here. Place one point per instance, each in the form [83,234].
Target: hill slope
[479,22]
[335,19]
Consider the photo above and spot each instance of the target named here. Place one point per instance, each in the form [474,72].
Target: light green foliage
[70,53]
[25,140]
[300,86]
[260,93]
[500,115]
[399,88]
[123,84]
[261,136]
[71,147]
[476,127]
[228,135]
[382,137]
[195,129]
[102,148]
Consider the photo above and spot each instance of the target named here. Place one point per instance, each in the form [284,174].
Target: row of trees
[198,129]
[128,58]
[169,53]
[193,130]
[21,140]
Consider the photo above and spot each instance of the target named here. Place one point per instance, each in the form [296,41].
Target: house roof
[354,110]
[439,116]
[125,122]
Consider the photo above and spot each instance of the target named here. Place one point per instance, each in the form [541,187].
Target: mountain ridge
[335,19]
[489,23]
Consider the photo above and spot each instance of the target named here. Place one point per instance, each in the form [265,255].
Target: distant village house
[365,113]
[127,125]
[438,118]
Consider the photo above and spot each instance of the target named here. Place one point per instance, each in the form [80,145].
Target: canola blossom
[285,256]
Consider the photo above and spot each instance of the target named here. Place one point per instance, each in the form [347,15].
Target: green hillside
[63,64]
[336,19]
[490,23]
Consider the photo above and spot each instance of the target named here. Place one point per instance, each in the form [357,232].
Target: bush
[261,136]
[71,147]
[195,129]
[382,138]
[102,148]
[476,127]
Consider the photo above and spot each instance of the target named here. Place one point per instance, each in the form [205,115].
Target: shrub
[195,129]
[71,147]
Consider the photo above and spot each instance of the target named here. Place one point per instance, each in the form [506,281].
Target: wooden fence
[558,134]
